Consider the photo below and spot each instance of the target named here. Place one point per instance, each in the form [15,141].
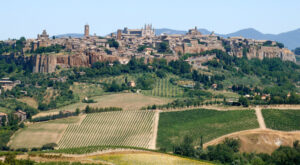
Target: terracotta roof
[3,114]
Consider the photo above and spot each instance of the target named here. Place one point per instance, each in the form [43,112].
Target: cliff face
[265,52]
[44,63]
[48,63]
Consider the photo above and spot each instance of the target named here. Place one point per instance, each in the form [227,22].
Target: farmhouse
[131,84]
[20,115]
[7,84]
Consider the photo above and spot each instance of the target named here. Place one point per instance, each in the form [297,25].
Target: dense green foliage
[17,47]
[163,47]
[53,117]
[89,109]
[227,152]
[285,120]
[9,68]
[113,43]
[53,48]
[281,75]
[173,126]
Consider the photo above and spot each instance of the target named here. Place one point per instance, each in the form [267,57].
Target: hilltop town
[69,52]
[167,97]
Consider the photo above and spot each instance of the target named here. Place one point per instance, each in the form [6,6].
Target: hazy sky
[29,17]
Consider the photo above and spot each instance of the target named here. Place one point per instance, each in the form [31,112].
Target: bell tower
[86,30]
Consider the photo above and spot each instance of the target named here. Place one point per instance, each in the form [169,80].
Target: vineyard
[285,120]
[164,88]
[127,128]
[174,126]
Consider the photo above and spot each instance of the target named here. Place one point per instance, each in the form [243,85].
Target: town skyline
[31,17]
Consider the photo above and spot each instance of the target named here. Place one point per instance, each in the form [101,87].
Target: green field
[164,88]
[210,124]
[124,128]
[285,120]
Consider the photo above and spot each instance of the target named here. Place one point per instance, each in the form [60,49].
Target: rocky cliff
[48,63]
[262,52]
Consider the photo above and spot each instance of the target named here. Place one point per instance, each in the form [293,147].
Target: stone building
[20,115]
[147,31]
[86,30]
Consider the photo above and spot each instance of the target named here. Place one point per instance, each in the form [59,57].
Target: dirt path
[260,118]
[152,144]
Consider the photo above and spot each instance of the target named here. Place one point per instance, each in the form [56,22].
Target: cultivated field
[124,128]
[127,101]
[210,124]
[36,135]
[164,88]
[285,120]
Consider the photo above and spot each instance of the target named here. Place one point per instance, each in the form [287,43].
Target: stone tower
[86,30]
[119,34]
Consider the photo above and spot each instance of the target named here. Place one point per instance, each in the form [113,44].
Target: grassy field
[124,128]
[164,88]
[29,101]
[285,120]
[210,124]
[4,110]
[127,101]
[147,158]
[36,135]
[87,90]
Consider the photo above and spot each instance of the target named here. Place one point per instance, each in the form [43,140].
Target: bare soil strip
[152,144]
[260,118]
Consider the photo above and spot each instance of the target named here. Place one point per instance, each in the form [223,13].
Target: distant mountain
[290,39]
[168,31]
[72,35]
[171,31]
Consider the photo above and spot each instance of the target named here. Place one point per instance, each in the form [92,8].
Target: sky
[28,18]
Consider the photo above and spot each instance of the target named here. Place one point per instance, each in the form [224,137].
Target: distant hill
[171,31]
[72,35]
[290,39]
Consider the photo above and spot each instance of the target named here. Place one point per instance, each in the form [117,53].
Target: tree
[163,47]
[244,101]
[10,158]
[161,74]
[186,148]
[113,43]
[77,111]
[280,45]
[141,48]
[297,51]
[286,156]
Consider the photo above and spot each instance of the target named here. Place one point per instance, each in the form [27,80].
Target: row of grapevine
[125,128]
[285,120]
[163,88]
